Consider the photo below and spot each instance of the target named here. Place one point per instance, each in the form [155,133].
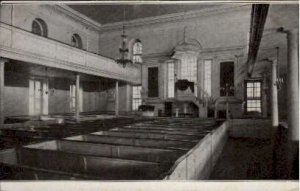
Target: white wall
[61,27]
[211,30]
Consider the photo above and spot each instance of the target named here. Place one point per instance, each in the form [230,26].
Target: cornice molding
[206,51]
[78,16]
[173,17]
[222,49]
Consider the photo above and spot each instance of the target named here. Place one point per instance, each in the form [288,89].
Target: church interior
[191,91]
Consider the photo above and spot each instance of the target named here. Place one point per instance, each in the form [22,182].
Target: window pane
[249,92]
[36,28]
[249,84]
[153,82]
[226,77]
[136,97]
[189,68]
[253,96]
[257,84]
[257,92]
[207,76]
[171,80]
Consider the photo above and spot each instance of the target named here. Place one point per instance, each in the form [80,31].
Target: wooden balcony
[18,44]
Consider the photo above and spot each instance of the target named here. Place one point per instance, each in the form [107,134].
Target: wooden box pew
[146,142]
[179,127]
[146,134]
[92,165]
[113,150]
[23,172]
[159,155]
[165,130]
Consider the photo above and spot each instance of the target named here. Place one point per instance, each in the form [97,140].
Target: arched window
[39,27]
[76,41]
[137,50]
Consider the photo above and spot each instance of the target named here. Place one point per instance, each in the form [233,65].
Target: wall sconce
[279,82]
[41,91]
[51,91]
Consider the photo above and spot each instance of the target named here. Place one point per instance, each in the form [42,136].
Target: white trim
[78,16]
[174,16]
[134,2]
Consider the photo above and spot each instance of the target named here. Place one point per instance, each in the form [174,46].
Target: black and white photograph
[149,94]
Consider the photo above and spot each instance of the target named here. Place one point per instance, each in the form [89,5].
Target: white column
[274,111]
[227,108]
[274,98]
[77,100]
[293,85]
[293,103]
[264,97]
[2,64]
[117,99]
[128,97]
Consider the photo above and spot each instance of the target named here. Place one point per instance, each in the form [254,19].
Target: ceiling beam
[258,18]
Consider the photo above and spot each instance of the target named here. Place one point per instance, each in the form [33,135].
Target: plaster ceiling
[286,16]
[105,14]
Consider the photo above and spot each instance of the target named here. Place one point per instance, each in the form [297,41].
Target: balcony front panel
[22,45]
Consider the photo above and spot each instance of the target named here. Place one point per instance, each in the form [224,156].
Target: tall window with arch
[76,41]
[227,78]
[189,69]
[171,80]
[137,50]
[207,76]
[39,27]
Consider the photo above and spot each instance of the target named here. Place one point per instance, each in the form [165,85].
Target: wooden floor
[256,159]
[244,159]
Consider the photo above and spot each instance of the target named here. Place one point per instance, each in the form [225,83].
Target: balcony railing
[18,44]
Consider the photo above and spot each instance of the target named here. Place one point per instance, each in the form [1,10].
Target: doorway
[73,98]
[38,97]
[168,109]
[153,82]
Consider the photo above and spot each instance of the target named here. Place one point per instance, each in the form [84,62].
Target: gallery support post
[2,65]
[117,99]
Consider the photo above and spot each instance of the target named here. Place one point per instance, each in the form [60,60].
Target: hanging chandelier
[124,51]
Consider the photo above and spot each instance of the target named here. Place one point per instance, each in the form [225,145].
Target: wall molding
[77,16]
[16,54]
[174,17]
[203,52]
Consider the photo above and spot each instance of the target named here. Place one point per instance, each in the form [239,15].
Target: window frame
[232,92]
[136,98]
[189,70]
[42,27]
[170,80]
[157,93]
[78,41]
[207,83]
[137,51]
[253,98]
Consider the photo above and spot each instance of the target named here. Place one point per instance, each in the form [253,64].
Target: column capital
[272,60]
[3,60]
[288,31]
[293,31]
